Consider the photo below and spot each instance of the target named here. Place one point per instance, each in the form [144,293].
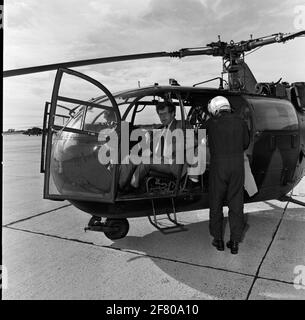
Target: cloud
[55,31]
[42,31]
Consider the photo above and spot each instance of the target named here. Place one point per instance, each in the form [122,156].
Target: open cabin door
[81,113]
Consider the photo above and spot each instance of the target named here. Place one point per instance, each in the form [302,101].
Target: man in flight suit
[228,137]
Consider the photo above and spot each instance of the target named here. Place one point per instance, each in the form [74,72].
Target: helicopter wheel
[121,228]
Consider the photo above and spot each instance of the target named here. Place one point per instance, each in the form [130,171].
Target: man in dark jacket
[228,137]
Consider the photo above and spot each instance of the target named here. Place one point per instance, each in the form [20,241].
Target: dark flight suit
[228,137]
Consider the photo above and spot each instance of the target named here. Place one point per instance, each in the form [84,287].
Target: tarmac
[47,255]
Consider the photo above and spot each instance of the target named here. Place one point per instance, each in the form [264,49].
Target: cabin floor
[47,254]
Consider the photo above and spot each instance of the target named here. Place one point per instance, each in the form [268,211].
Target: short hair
[163,105]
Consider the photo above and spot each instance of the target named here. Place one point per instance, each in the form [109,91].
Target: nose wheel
[113,228]
[118,228]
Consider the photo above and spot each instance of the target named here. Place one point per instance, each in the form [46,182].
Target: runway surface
[47,254]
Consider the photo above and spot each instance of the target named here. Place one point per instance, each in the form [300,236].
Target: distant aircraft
[35,131]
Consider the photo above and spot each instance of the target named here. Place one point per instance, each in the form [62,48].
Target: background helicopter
[275,113]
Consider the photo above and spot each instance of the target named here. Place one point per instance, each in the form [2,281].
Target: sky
[38,32]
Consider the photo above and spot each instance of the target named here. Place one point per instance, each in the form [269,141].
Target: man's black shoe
[219,244]
[233,245]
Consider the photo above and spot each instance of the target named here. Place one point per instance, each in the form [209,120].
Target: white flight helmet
[218,104]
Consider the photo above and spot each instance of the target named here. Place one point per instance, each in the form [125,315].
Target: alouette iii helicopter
[274,112]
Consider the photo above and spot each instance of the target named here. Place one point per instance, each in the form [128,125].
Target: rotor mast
[226,50]
[239,75]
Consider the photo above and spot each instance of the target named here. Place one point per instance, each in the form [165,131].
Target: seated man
[167,157]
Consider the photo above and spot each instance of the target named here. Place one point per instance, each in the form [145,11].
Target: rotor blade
[215,49]
[276,38]
[175,54]
[294,35]
[22,71]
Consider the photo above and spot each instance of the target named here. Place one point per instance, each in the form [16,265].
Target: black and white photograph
[153,150]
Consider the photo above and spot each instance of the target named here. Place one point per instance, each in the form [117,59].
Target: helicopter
[274,112]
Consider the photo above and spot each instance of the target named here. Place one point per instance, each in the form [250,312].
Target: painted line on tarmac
[36,215]
[268,248]
[51,235]
[149,256]
[127,251]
